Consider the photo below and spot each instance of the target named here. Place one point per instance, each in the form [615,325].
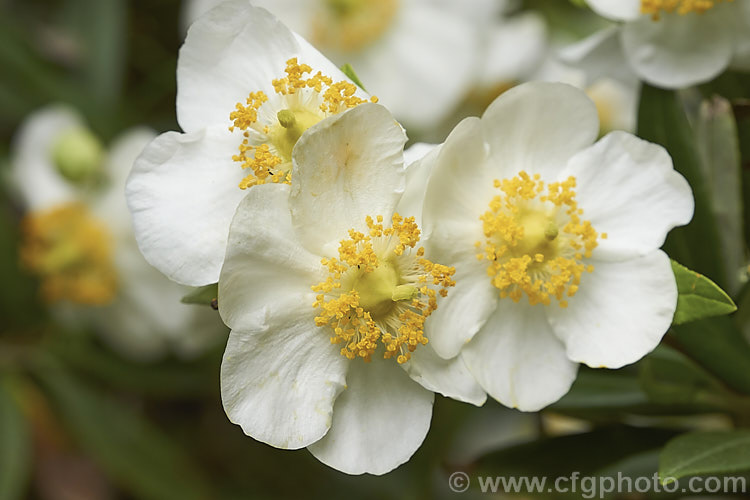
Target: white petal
[617,10]
[460,185]
[514,49]
[620,313]
[600,56]
[266,270]
[231,51]
[449,377]
[183,192]
[538,126]
[678,50]
[379,421]
[419,159]
[279,383]
[518,360]
[33,172]
[628,189]
[345,168]
[422,66]
[458,192]
[465,310]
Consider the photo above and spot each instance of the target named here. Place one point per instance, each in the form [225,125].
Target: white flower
[614,93]
[326,293]
[678,43]
[78,239]
[419,56]
[247,89]
[555,243]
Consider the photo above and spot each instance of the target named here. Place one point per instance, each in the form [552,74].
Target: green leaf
[671,379]
[596,391]
[705,453]
[349,72]
[134,453]
[718,144]
[717,345]
[698,297]
[204,295]
[15,446]
[661,119]
[553,457]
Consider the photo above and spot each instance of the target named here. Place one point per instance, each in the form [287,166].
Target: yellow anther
[372,298]
[71,253]
[267,146]
[682,7]
[352,25]
[528,249]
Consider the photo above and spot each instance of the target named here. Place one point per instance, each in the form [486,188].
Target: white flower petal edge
[449,377]
[620,313]
[518,359]
[345,168]
[263,249]
[182,193]
[280,375]
[419,160]
[617,10]
[678,51]
[628,188]
[33,174]
[458,187]
[381,409]
[537,127]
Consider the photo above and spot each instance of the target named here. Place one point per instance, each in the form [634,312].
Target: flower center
[380,292]
[271,127]
[71,252]
[536,242]
[351,25]
[682,7]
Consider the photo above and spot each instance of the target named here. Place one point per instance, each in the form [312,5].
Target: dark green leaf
[718,346]
[15,446]
[552,457]
[661,119]
[349,72]
[602,390]
[129,449]
[698,297]
[718,144]
[669,378]
[204,295]
[705,453]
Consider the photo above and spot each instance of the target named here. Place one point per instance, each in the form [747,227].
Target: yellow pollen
[380,291]
[71,253]
[351,25]
[536,240]
[682,7]
[268,139]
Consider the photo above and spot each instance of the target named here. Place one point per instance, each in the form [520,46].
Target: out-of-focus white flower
[615,95]
[678,43]
[327,292]
[419,56]
[247,90]
[555,241]
[78,239]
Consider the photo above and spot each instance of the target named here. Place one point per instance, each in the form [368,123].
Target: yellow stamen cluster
[268,154]
[71,253]
[682,7]
[536,241]
[378,292]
